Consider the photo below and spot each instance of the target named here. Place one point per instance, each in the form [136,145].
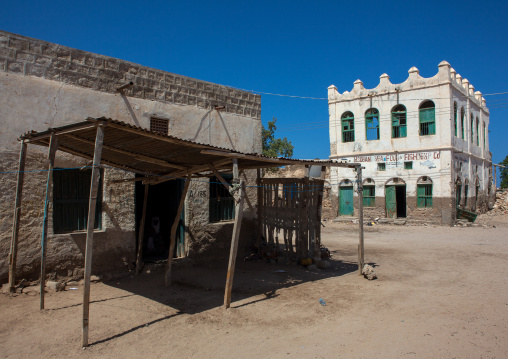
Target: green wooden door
[346,201]
[391,202]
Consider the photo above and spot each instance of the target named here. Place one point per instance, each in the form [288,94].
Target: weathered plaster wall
[435,156]
[47,85]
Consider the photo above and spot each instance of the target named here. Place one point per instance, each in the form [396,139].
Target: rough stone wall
[32,57]
[48,85]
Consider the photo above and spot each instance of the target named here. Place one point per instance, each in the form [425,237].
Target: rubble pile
[501,204]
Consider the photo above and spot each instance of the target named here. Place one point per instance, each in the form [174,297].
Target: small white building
[424,145]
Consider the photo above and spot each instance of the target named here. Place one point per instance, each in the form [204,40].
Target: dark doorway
[162,205]
[400,195]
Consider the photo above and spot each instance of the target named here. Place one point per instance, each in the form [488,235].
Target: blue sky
[288,47]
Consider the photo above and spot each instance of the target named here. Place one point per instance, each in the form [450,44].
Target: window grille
[372,124]
[71,193]
[381,166]
[348,130]
[399,122]
[408,165]
[369,196]
[427,118]
[221,202]
[159,125]
[424,195]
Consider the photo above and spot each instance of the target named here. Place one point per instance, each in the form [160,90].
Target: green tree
[504,173]
[275,147]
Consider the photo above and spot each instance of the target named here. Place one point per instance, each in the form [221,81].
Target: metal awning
[163,157]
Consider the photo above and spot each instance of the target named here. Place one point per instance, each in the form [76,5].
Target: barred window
[424,195]
[221,202]
[427,118]
[369,196]
[159,125]
[71,193]
[399,117]
[372,124]
[348,127]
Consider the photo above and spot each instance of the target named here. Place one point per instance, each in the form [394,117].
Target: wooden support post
[174,227]
[94,186]
[260,209]
[13,254]
[234,245]
[53,145]
[361,260]
[141,232]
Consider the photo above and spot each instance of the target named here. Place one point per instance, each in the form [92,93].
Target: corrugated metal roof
[144,151]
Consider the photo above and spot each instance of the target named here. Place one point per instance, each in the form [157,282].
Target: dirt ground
[441,292]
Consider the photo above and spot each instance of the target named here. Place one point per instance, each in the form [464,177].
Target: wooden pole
[141,232]
[94,186]
[260,209]
[360,222]
[174,227]
[53,145]
[234,245]
[13,254]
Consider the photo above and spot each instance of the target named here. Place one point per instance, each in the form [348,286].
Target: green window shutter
[484,135]
[477,132]
[369,196]
[427,121]
[221,203]
[472,129]
[455,117]
[372,124]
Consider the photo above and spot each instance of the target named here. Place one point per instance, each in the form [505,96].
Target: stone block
[59,64]
[15,67]
[49,50]
[43,60]
[35,70]
[76,67]
[98,62]
[160,95]
[111,64]
[78,56]
[6,52]
[63,53]
[18,44]
[88,81]
[192,100]
[128,68]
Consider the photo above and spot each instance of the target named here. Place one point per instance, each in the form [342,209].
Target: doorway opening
[346,207]
[395,197]
[161,209]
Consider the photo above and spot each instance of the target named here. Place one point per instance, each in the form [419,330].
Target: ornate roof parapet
[384,80]
[414,74]
[444,71]
[333,94]
[465,85]
[358,86]
[453,74]
[471,90]
[478,96]
[458,78]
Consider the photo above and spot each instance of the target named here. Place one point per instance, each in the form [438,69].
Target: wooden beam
[53,146]
[13,254]
[190,171]
[137,156]
[34,137]
[141,232]
[259,209]
[361,260]
[174,227]
[234,245]
[220,178]
[94,186]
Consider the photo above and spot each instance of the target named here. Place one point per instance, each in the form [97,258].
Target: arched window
[372,124]
[462,115]
[399,121]
[427,118]
[424,192]
[477,132]
[348,129]
[369,193]
[472,127]
[455,117]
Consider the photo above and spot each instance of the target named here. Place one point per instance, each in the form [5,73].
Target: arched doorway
[346,207]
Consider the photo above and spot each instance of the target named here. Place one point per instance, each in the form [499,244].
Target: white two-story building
[424,145]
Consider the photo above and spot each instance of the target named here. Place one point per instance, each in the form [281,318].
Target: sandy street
[441,293]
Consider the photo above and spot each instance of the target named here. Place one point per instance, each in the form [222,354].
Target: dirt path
[442,293]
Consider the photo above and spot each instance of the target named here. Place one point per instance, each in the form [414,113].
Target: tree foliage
[504,173]
[275,147]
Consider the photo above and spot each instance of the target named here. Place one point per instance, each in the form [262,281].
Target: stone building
[45,85]
[424,145]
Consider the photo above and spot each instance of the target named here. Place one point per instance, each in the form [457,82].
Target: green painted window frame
[348,127]
[462,115]
[477,132]
[221,202]
[466,190]
[455,124]
[424,195]
[484,137]
[472,127]
[399,121]
[427,117]
[381,166]
[372,115]
[408,165]
[71,195]
[369,196]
